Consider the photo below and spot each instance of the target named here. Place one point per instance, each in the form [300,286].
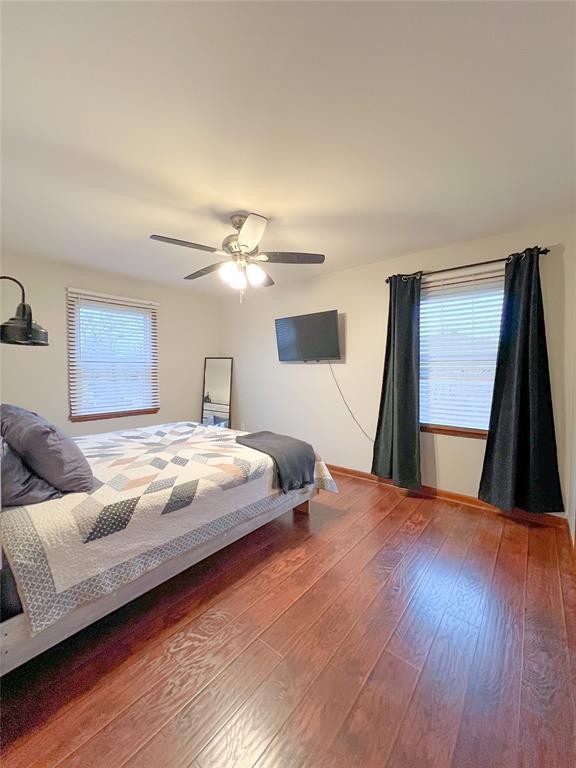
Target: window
[459,332]
[112,356]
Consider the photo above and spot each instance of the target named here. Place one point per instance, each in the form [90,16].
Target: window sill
[117,415]
[437,429]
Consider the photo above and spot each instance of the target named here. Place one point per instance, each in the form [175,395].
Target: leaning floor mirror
[217,391]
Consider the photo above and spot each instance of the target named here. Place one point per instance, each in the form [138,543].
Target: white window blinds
[459,332]
[112,355]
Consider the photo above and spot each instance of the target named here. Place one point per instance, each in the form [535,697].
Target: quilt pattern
[158,492]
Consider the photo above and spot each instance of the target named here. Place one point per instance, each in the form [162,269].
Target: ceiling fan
[242,264]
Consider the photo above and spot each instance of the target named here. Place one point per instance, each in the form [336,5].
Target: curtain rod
[541,252]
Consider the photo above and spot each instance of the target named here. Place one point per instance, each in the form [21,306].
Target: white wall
[36,377]
[302,400]
[571,425]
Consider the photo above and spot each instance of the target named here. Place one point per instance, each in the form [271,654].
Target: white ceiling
[362,130]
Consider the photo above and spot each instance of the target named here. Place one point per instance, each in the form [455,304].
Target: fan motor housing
[230,244]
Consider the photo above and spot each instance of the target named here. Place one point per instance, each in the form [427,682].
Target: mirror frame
[219,357]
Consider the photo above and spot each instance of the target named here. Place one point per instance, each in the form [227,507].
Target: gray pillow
[48,452]
[19,484]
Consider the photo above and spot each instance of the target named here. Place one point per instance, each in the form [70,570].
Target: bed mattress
[158,492]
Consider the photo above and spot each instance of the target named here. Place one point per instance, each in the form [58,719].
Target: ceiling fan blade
[277,257]
[268,282]
[251,232]
[205,271]
[185,243]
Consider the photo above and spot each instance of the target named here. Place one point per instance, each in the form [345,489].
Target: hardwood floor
[380,630]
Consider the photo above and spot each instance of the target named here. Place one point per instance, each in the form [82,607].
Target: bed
[164,498]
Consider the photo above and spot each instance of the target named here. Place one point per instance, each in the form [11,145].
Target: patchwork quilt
[158,492]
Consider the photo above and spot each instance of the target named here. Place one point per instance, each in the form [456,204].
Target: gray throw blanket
[294,459]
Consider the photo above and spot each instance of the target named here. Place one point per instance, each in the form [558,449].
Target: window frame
[73,296]
[440,429]
[459,279]
[112,415]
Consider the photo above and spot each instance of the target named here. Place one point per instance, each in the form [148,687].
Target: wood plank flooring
[380,630]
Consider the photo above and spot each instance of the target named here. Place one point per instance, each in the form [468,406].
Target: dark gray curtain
[520,465]
[397,444]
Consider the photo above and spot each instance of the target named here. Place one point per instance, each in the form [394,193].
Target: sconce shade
[21,329]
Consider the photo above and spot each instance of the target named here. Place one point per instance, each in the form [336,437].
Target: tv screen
[308,337]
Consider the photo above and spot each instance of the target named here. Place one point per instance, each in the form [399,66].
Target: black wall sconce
[21,329]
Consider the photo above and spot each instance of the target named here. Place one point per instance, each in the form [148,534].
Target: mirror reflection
[217,391]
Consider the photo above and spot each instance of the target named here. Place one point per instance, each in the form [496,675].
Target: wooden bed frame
[18,646]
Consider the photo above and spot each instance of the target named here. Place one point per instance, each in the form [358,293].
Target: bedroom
[396,140]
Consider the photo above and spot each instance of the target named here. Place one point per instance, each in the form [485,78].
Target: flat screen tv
[307,338]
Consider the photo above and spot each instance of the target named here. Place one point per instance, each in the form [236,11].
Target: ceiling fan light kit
[238,273]
[233,274]
[227,271]
[241,250]
[255,274]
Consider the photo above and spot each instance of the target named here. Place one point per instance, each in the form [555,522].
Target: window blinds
[112,355]
[459,333]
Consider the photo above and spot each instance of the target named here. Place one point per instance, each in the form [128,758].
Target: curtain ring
[520,256]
